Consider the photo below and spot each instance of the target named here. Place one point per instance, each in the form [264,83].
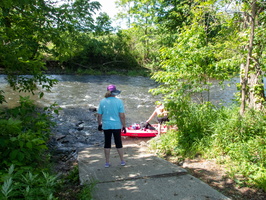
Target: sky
[108,6]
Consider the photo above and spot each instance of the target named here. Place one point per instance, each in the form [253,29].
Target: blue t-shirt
[110,108]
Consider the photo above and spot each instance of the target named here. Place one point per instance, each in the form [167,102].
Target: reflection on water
[84,91]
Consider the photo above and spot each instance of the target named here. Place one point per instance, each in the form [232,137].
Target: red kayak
[136,131]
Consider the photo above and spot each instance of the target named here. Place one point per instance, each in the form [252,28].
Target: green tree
[26,29]
[142,17]
[252,86]
[103,24]
[171,16]
[80,14]
[154,24]
[195,57]
[214,45]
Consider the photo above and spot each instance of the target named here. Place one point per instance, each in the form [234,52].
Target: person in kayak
[111,119]
[162,116]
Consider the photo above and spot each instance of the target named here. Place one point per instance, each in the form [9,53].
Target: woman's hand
[100,127]
[124,130]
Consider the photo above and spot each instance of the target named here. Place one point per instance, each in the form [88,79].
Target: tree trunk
[243,82]
[256,91]
[251,79]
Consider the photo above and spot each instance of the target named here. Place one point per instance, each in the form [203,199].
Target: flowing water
[76,95]
[86,91]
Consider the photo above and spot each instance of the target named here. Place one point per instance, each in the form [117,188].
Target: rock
[80,128]
[65,141]
[79,123]
[92,109]
[72,131]
[59,137]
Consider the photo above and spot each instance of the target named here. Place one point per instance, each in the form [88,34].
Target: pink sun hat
[113,90]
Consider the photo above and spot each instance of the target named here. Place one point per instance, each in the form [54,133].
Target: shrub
[24,134]
[26,185]
[243,140]
[194,124]
[219,133]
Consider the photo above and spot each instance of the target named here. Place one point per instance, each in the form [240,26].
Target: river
[86,91]
[76,94]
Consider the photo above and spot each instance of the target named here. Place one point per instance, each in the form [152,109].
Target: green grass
[69,187]
[221,133]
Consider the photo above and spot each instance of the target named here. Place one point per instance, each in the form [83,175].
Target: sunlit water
[82,92]
[77,94]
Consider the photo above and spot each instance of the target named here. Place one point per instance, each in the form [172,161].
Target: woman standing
[111,119]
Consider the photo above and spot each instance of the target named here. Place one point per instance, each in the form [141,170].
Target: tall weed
[243,140]
[239,142]
[193,122]
[167,144]
[25,185]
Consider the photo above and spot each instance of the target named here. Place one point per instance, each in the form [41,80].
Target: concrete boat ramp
[145,177]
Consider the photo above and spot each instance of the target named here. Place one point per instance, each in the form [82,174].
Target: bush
[103,53]
[23,137]
[243,140]
[219,133]
[26,185]
[194,124]
[25,131]
[168,144]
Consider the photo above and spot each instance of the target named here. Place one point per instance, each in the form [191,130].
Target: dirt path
[215,176]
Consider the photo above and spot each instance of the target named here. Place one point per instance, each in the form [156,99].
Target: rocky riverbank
[76,128]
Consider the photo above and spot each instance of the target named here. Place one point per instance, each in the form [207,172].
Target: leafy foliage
[24,134]
[238,142]
[27,27]
[199,54]
[104,52]
[173,14]
[25,131]
[103,24]
[194,123]
[246,149]
[17,185]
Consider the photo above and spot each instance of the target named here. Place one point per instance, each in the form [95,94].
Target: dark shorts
[162,119]
[108,138]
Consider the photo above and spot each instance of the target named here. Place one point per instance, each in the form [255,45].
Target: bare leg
[107,155]
[121,153]
[159,129]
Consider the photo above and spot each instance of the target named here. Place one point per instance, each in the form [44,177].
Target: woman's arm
[99,119]
[153,115]
[123,119]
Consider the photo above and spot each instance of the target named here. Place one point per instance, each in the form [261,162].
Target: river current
[76,95]
[86,91]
